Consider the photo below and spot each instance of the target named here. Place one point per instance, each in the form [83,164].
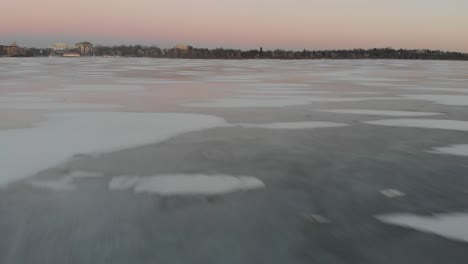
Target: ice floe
[24,152]
[186,184]
[452,225]
[423,123]
[379,112]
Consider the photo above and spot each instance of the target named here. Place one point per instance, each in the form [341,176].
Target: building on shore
[71,54]
[60,46]
[181,47]
[182,50]
[12,51]
[85,48]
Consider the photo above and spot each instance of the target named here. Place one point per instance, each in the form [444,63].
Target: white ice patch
[186,184]
[294,125]
[84,174]
[440,99]
[423,123]
[453,226]
[458,150]
[57,185]
[379,112]
[24,152]
[123,182]
[392,193]
[65,183]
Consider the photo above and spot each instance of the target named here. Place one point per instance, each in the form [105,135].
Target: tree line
[221,53]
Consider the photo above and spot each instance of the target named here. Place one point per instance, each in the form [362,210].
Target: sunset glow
[290,24]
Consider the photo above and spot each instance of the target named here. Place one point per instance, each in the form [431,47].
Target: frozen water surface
[138,156]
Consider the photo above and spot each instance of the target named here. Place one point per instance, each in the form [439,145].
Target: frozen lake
[116,160]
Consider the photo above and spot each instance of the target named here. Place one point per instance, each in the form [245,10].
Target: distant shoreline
[239,59]
[189,52]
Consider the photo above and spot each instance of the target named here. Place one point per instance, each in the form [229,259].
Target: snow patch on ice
[65,183]
[458,150]
[392,193]
[423,123]
[186,184]
[452,226]
[24,152]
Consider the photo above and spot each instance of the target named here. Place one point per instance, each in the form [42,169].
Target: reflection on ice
[186,184]
[452,226]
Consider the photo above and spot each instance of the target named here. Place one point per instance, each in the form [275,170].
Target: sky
[245,24]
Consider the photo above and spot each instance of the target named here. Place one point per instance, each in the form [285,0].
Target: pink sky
[291,24]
